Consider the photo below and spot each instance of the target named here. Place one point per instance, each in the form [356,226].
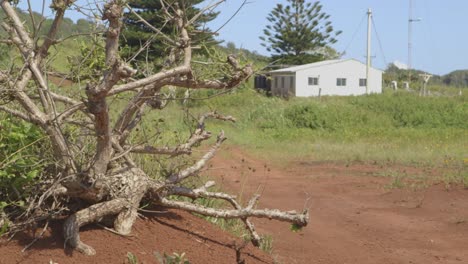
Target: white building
[331,77]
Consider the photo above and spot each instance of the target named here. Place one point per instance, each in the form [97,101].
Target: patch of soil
[354,216]
[166,232]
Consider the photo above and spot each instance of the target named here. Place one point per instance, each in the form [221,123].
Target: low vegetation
[393,127]
[175,258]
[22,163]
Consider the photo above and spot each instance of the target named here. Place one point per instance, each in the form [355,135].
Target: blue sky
[440,40]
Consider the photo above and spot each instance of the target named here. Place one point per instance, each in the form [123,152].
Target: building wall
[351,70]
[283,84]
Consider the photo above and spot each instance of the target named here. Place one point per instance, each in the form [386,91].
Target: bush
[21,160]
[379,111]
[408,110]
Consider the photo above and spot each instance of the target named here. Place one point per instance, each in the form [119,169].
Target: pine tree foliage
[136,34]
[299,32]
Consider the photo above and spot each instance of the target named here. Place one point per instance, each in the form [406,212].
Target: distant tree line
[67,28]
[458,78]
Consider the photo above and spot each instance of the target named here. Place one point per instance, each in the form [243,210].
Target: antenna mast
[410,35]
[368,65]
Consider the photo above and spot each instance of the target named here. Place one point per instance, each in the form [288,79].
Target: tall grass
[391,127]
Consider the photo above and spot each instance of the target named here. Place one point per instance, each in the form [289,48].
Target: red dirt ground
[172,231]
[354,218]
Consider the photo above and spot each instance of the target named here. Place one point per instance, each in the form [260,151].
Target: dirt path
[354,217]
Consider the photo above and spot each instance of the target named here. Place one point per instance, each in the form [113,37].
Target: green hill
[458,78]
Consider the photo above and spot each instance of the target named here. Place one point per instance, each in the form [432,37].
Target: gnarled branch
[203,193]
[299,219]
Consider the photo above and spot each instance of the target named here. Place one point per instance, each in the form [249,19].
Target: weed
[457,171]
[402,179]
[175,258]
[132,259]
[396,183]
[456,177]
[266,243]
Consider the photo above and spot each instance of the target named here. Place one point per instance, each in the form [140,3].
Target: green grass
[398,128]
[267,244]
[59,54]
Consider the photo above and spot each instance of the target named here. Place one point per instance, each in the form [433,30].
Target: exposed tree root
[125,209]
[92,214]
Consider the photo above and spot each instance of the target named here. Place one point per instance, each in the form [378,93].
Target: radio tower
[368,57]
[411,20]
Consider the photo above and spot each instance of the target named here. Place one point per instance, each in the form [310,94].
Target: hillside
[59,55]
[67,28]
[457,78]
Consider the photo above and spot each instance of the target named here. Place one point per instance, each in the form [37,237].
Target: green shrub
[90,63]
[379,111]
[408,110]
[21,160]
[389,127]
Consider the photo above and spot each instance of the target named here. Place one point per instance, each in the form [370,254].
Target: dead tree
[111,183]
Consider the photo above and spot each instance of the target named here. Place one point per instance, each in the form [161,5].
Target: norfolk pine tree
[137,35]
[298,33]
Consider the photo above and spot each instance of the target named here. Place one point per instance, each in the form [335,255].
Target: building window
[340,81]
[313,81]
[282,82]
[362,82]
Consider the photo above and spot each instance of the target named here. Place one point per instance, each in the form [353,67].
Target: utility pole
[368,64]
[411,20]
[426,78]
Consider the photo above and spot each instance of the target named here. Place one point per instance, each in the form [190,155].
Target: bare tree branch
[197,136]
[177,177]
[203,193]
[121,126]
[97,104]
[150,80]
[16,113]
[59,6]
[290,216]
[18,25]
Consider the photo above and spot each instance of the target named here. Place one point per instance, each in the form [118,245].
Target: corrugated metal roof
[315,64]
